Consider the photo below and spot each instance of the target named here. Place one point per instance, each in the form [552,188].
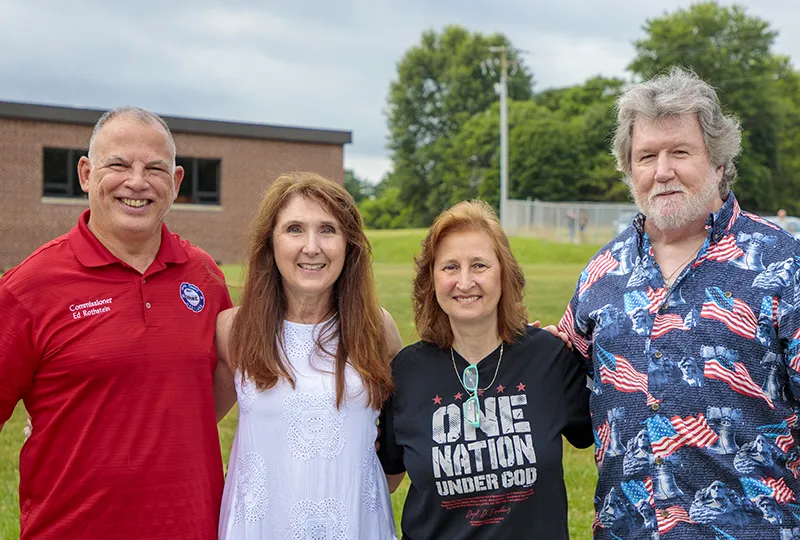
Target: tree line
[443,119]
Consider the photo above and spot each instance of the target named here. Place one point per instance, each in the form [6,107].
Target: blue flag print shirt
[695,387]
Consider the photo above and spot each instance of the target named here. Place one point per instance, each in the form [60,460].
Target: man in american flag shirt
[694,350]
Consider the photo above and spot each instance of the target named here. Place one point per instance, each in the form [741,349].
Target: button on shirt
[695,388]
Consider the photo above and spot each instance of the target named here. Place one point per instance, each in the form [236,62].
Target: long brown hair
[431,321]
[358,318]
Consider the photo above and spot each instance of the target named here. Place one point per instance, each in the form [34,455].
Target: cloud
[312,63]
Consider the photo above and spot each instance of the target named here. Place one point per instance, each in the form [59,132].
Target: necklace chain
[680,267]
[500,359]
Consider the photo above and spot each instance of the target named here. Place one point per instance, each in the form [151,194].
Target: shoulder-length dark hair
[431,321]
[254,349]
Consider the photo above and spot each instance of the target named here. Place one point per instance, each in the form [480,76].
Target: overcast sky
[315,63]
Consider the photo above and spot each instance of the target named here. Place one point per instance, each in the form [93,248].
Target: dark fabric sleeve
[578,426]
[389,452]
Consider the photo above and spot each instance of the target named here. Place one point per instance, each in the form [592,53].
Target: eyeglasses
[469,380]
[472,407]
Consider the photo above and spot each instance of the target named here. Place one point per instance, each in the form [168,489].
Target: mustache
[664,189]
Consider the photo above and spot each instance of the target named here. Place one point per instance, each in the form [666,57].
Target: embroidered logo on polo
[91,308]
[193,297]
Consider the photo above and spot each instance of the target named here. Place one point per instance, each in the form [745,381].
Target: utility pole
[504,68]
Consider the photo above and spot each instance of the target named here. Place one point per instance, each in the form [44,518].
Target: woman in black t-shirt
[481,402]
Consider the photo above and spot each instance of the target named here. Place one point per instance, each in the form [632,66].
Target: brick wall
[248,166]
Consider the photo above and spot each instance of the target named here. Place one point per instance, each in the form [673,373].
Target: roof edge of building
[177,124]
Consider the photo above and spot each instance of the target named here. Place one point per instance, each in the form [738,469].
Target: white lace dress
[300,468]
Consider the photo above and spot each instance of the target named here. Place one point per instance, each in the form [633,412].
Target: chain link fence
[576,222]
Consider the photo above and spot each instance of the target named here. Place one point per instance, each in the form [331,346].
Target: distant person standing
[782,222]
[572,223]
[582,222]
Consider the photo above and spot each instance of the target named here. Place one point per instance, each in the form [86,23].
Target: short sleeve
[578,334]
[225,300]
[578,426]
[18,358]
[389,452]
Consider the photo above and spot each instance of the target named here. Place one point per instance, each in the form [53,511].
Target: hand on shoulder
[554,331]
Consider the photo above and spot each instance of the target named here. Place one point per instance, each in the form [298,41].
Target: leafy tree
[359,188]
[576,100]
[440,85]
[387,211]
[544,156]
[590,106]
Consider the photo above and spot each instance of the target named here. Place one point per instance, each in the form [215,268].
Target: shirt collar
[90,252]
[718,224]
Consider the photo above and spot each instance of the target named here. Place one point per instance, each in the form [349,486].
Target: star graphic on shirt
[480,392]
[500,388]
[458,396]
[437,400]
[521,387]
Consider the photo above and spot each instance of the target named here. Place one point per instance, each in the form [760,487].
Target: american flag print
[717,358]
[669,435]
[733,313]
[723,251]
[736,375]
[669,517]
[771,487]
[602,438]
[568,326]
[618,372]
[760,220]
[793,351]
[597,268]
[782,433]
[656,297]
[663,323]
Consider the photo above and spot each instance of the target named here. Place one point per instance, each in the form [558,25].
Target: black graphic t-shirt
[504,479]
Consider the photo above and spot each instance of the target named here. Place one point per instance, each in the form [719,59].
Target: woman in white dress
[307,354]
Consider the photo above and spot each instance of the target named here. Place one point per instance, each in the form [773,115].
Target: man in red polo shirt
[108,338]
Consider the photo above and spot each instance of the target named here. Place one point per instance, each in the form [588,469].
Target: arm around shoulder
[224,388]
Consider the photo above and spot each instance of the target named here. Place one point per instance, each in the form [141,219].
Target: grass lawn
[551,271]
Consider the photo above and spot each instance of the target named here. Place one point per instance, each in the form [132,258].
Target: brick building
[228,165]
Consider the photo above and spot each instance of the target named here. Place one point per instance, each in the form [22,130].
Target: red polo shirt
[115,368]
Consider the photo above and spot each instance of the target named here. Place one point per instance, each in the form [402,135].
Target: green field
[551,271]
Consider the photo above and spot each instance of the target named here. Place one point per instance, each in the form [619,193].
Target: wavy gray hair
[679,93]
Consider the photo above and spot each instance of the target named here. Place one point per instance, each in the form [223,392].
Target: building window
[200,181]
[60,167]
